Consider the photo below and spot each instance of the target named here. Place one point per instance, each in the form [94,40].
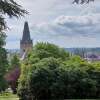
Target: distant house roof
[93,56]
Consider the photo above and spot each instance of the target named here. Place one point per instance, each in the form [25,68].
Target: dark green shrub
[46,77]
[3,69]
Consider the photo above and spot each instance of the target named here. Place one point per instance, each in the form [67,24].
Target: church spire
[26,33]
[26,43]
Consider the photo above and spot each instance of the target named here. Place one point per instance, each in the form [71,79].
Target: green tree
[40,81]
[12,9]
[3,66]
[45,50]
[80,52]
[52,79]
[15,62]
[47,75]
[46,54]
[82,1]
[14,72]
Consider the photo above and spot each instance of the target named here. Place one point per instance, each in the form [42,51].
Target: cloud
[70,26]
[12,45]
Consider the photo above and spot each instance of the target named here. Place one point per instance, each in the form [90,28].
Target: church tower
[26,43]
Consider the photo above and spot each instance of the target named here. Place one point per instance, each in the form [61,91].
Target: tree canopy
[49,73]
[12,9]
[82,1]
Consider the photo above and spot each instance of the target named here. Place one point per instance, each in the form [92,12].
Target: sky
[57,21]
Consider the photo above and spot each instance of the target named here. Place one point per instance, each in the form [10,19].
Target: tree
[80,52]
[12,9]
[48,74]
[46,54]
[44,50]
[40,81]
[3,66]
[52,79]
[13,73]
[82,1]
[15,62]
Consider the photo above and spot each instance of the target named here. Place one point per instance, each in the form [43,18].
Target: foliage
[15,62]
[3,66]
[2,39]
[40,51]
[82,1]
[45,50]
[80,52]
[52,77]
[13,73]
[12,9]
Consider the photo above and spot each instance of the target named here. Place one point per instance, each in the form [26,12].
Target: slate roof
[93,56]
[26,34]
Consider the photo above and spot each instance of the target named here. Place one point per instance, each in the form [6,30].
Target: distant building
[26,43]
[92,57]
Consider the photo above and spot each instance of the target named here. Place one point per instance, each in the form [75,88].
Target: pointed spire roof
[26,33]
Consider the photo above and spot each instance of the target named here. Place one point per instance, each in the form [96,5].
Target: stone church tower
[26,43]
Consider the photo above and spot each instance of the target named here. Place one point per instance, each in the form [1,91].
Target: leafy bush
[3,68]
[49,75]
[45,50]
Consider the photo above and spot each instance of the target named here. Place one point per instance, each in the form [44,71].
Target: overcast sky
[59,22]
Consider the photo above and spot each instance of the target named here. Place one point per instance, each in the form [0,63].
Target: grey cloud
[71,26]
